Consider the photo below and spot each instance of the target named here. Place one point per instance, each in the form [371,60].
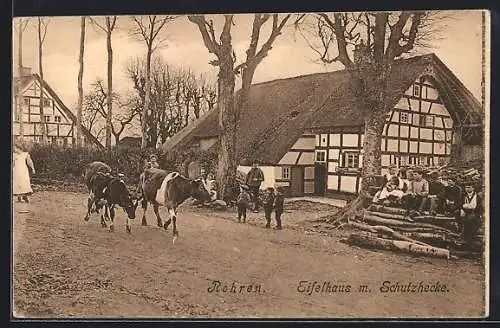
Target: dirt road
[65,267]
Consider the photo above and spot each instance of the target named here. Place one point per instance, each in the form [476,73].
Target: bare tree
[80,85]
[367,44]
[175,99]
[107,27]
[21,27]
[229,112]
[148,29]
[42,32]
[95,110]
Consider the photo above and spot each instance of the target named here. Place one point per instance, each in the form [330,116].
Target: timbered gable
[59,120]
[419,130]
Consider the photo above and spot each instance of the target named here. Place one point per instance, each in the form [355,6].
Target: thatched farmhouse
[307,131]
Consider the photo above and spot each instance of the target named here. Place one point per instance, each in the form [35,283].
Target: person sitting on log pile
[450,197]
[432,201]
[470,213]
[392,173]
[391,193]
[418,190]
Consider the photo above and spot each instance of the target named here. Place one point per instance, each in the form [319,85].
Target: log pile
[390,228]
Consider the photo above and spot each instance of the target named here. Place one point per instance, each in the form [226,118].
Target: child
[390,193]
[278,208]
[470,214]
[268,204]
[211,186]
[243,203]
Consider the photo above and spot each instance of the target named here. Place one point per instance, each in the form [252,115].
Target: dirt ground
[66,267]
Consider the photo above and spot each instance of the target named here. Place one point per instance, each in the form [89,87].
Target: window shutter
[360,163]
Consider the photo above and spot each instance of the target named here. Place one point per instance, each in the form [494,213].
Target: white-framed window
[320,155]
[403,117]
[57,119]
[285,172]
[47,118]
[416,90]
[351,159]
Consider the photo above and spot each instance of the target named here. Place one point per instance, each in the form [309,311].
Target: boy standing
[268,204]
[470,214]
[243,203]
[278,208]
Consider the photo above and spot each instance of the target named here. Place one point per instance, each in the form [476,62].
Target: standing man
[254,179]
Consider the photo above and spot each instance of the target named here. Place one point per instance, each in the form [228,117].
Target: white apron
[21,176]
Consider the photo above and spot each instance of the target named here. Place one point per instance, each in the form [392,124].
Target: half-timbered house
[307,131]
[60,122]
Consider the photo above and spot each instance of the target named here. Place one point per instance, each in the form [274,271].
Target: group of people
[407,188]
[272,200]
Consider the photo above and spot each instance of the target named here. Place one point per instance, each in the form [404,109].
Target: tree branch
[208,39]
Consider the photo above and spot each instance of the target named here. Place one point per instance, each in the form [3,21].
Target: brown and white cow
[108,191]
[161,188]
[95,189]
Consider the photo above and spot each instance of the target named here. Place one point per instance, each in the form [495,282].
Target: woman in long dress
[21,176]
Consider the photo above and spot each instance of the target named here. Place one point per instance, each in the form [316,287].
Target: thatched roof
[26,81]
[279,111]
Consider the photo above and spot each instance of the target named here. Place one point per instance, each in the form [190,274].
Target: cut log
[367,239]
[385,230]
[390,216]
[387,209]
[396,223]
[443,221]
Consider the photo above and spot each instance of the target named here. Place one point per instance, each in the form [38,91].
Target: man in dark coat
[254,179]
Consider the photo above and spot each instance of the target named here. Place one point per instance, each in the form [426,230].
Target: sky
[459,47]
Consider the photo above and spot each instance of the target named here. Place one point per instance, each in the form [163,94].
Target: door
[297,181]
[320,179]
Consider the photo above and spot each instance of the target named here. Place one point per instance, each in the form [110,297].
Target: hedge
[57,163]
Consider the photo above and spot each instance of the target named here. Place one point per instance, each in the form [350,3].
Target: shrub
[53,162]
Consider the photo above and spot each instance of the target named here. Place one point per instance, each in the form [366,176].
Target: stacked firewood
[390,228]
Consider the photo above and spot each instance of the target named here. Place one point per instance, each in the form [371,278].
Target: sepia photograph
[329,165]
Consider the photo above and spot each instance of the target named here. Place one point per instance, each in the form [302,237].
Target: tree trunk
[19,98]
[109,115]
[147,98]
[40,69]
[80,85]
[226,168]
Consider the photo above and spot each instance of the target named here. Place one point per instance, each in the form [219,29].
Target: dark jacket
[255,177]
[278,202]
[268,201]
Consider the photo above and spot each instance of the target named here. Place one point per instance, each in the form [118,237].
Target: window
[53,140]
[47,118]
[422,120]
[416,90]
[321,156]
[429,120]
[403,117]
[351,160]
[57,119]
[285,172]
[26,101]
[46,102]
[65,142]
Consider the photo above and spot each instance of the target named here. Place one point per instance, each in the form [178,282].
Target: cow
[95,188]
[161,188]
[116,193]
